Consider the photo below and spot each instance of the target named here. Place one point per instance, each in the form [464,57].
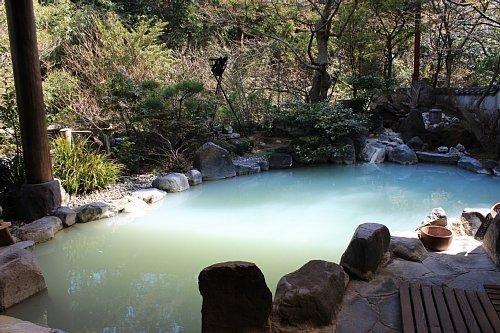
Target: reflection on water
[139,273]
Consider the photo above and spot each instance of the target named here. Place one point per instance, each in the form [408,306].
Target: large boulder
[310,296]
[39,200]
[14,325]
[41,230]
[373,152]
[194,177]
[235,298]
[428,157]
[280,161]
[408,248]
[415,143]
[471,164]
[413,125]
[475,219]
[149,195]
[20,276]
[66,215]
[436,217]
[491,241]
[214,162]
[172,182]
[366,250]
[246,165]
[402,154]
[95,211]
[133,205]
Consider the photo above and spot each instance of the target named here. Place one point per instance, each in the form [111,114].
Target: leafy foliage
[81,169]
[322,126]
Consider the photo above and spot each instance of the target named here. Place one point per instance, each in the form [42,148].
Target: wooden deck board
[477,309]
[418,308]
[490,311]
[441,309]
[430,310]
[406,310]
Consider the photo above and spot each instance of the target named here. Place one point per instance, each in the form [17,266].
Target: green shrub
[322,126]
[82,170]
[126,152]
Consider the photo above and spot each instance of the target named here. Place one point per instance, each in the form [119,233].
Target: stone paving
[374,306]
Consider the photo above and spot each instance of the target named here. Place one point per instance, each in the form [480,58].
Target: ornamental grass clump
[81,169]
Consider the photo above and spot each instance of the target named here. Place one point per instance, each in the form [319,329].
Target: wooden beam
[28,81]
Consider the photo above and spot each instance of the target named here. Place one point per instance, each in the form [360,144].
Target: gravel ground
[113,192]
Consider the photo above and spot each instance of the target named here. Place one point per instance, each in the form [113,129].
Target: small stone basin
[436,238]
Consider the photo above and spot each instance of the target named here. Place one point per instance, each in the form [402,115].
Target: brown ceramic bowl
[436,238]
[495,209]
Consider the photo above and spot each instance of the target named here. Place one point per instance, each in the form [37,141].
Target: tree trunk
[416,48]
[29,94]
[321,81]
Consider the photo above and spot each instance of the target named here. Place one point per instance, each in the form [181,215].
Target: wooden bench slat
[494,296]
[490,311]
[430,310]
[456,315]
[492,286]
[442,309]
[478,311]
[418,308]
[492,291]
[406,310]
[470,321]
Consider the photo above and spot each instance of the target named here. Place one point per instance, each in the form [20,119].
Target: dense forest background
[140,70]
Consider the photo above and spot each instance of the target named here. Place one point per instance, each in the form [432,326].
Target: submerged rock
[149,195]
[366,250]
[194,177]
[310,296]
[20,276]
[402,154]
[41,230]
[95,211]
[66,215]
[438,158]
[280,161]
[214,162]
[235,298]
[407,248]
[172,182]
[471,164]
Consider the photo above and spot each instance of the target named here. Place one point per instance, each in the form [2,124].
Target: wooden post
[28,81]
[418,38]
[68,135]
[41,194]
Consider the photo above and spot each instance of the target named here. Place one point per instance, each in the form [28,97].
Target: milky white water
[139,273]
